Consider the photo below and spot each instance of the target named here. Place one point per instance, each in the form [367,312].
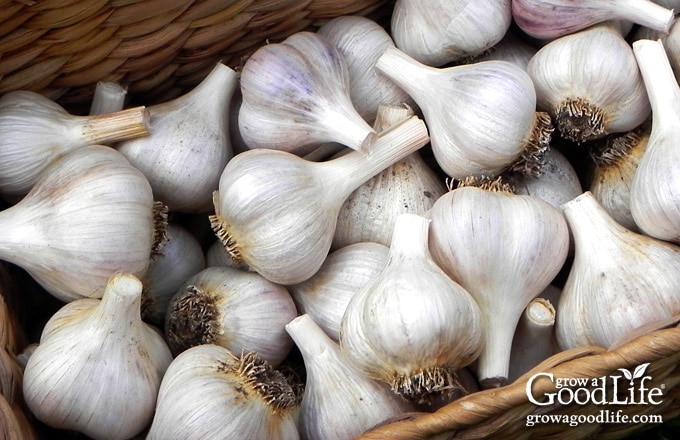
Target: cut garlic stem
[118,126]
[534,339]
[108,97]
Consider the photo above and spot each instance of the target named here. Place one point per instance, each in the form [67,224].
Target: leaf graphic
[640,370]
[626,373]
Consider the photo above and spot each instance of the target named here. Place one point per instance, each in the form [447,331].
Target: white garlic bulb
[241,311]
[209,392]
[189,144]
[361,41]
[277,212]
[412,326]
[654,194]
[180,258]
[339,402]
[35,130]
[344,272]
[615,161]
[98,367]
[619,280]
[91,214]
[437,32]
[548,19]
[589,95]
[481,116]
[296,96]
[504,249]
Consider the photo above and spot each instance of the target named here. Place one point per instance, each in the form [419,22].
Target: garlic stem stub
[277,212]
[534,339]
[481,116]
[91,214]
[296,96]
[550,19]
[35,130]
[655,193]
[109,96]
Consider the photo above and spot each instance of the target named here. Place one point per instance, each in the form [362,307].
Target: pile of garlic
[356,225]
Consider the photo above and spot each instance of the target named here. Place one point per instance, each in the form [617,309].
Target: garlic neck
[408,73]
[410,237]
[589,222]
[355,168]
[215,90]
[662,86]
[645,13]
[120,307]
[308,336]
[493,363]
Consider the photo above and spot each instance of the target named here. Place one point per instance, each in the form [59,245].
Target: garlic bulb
[296,96]
[181,258]
[493,122]
[615,161]
[189,144]
[277,212]
[35,130]
[241,311]
[88,216]
[409,185]
[437,32]
[654,195]
[344,272]
[209,392]
[98,367]
[339,402]
[109,96]
[511,48]
[589,95]
[619,280]
[504,249]
[361,41]
[412,326]
[548,19]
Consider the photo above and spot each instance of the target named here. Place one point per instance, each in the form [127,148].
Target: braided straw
[502,413]
[158,49]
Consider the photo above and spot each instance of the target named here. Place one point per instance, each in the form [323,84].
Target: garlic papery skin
[619,280]
[88,216]
[35,130]
[296,96]
[412,326]
[339,402]
[511,48]
[504,249]
[549,19]
[344,272]
[241,311]
[588,95]
[481,116]
[361,41]
[189,144]
[277,212]
[437,32]
[615,161]
[534,339]
[210,393]
[98,367]
[181,258]
[109,96]
[654,194]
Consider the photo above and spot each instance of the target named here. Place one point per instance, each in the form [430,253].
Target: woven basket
[159,49]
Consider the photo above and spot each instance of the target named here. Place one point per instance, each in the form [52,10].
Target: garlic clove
[493,123]
[344,272]
[587,95]
[91,214]
[654,195]
[189,144]
[98,367]
[548,19]
[35,130]
[339,402]
[504,249]
[296,96]
[241,311]
[437,32]
[277,213]
[209,392]
[619,280]
[412,326]
[361,41]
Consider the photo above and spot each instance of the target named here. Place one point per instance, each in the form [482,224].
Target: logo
[627,388]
